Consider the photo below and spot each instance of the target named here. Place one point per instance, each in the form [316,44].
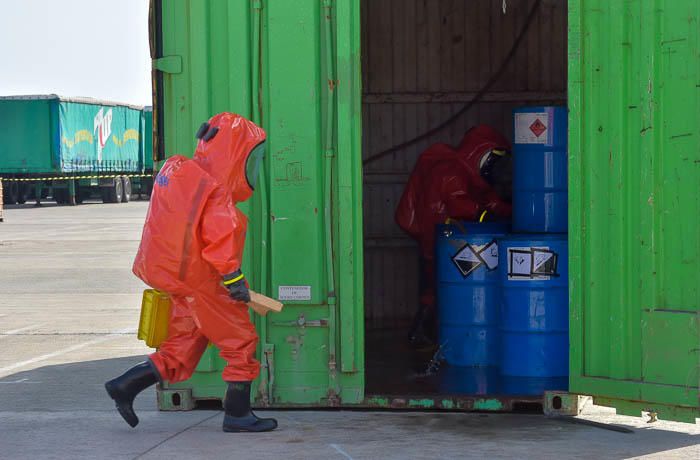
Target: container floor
[394,368]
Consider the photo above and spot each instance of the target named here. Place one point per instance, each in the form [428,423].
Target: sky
[89,48]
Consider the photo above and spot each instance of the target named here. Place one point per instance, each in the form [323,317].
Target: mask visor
[496,167]
[253,163]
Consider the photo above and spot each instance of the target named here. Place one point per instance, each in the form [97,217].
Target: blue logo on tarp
[162,180]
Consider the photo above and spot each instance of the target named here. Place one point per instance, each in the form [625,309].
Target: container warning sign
[294,293]
[532,264]
[532,128]
[470,257]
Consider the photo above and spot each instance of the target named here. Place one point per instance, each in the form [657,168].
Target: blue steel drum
[534,274]
[468,292]
[540,170]
[471,380]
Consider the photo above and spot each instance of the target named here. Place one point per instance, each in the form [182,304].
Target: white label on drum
[472,256]
[532,128]
[543,261]
[467,260]
[532,264]
[489,254]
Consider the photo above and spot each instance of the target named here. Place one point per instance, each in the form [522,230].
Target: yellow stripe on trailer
[37,179]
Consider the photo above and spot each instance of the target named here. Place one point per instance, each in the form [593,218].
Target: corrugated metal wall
[422,60]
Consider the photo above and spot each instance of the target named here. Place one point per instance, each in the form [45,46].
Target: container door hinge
[168,64]
[327,3]
[269,377]
[329,153]
[257,4]
[333,399]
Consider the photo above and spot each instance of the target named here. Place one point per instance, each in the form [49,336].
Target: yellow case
[155,313]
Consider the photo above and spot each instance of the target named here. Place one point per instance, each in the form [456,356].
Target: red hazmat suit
[193,235]
[447,183]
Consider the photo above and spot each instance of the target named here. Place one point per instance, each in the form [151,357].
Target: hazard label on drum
[537,127]
[532,128]
[544,262]
[532,264]
[489,254]
[470,257]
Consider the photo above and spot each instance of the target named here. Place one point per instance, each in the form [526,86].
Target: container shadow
[73,386]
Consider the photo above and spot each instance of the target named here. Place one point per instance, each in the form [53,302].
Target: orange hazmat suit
[193,237]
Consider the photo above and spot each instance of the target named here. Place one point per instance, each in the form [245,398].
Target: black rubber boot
[239,418]
[420,335]
[123,389]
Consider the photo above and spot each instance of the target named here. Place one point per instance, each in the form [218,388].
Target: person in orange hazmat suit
[469,182]
[191,248]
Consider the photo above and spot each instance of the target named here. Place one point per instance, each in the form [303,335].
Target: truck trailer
[73,148]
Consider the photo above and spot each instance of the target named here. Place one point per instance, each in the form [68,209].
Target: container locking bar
[168,64]
[302,322]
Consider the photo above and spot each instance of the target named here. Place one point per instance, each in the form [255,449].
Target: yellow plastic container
[155,313]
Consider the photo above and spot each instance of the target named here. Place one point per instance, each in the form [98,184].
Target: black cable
[489,84]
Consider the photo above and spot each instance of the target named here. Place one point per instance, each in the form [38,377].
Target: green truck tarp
[50,134]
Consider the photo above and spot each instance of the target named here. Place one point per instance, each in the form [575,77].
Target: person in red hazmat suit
[471,183]
[191,248]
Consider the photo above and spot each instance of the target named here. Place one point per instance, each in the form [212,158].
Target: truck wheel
[9,193]
[149,187]
[113,193]
[118,191]
[22,193]
[80,194]
[44,194]
[60,195]
[126,189]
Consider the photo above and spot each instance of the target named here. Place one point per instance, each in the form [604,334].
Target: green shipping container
[51,134]
[148,138]
[334,81]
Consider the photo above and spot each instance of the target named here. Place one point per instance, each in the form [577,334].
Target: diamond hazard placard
[519,263]
[489,254]
[470,257]
[467,260]
[544,262]
[538,128]
[532,128]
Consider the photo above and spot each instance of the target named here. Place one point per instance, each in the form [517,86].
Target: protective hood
[479,141]
[225,143]
[447,182]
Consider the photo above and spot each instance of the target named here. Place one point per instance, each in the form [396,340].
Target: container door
[634,105]
[292,67]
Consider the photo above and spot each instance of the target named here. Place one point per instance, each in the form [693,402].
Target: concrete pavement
[68,314]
